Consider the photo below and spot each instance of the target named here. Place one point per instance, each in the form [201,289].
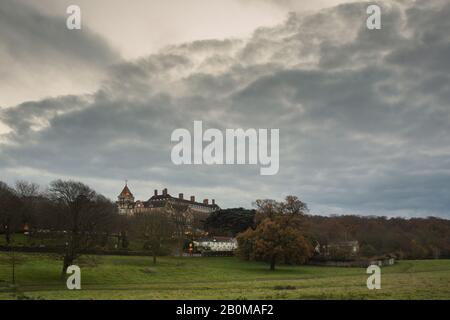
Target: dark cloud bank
[40,57]
[364,116]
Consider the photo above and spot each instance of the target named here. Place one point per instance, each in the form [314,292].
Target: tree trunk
[13,266]
[180,246]
[7,237]
[272,263]
[66,263]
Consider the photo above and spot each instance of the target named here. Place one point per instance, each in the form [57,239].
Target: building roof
[343,243]
[125,192]
[217,239]
[164,197]
[160,200]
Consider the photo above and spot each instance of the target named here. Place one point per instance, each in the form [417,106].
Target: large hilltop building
[128,206]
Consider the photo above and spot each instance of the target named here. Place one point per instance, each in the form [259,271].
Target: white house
[216,244]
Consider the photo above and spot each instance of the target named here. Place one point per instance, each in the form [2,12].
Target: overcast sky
[364,115]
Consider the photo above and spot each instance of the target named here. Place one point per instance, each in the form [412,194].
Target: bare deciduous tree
[28,194]
[9,211]
[86,217]
[10,206]
[155,228]
[179,216]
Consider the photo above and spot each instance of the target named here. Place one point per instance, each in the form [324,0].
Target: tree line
[75,219]
[404,238]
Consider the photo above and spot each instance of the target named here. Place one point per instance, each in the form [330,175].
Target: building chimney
[180,195]
[165,192]
[213,201]
[192,198]
[156,192]
[205,201]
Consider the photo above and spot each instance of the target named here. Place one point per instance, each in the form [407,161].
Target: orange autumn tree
[277,236]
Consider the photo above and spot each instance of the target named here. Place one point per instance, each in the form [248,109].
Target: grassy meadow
[132,277]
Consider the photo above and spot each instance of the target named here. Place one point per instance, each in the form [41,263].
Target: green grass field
[121,277]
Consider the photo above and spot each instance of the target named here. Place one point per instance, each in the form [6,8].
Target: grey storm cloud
[364,116]
[21,29]
[40,56]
